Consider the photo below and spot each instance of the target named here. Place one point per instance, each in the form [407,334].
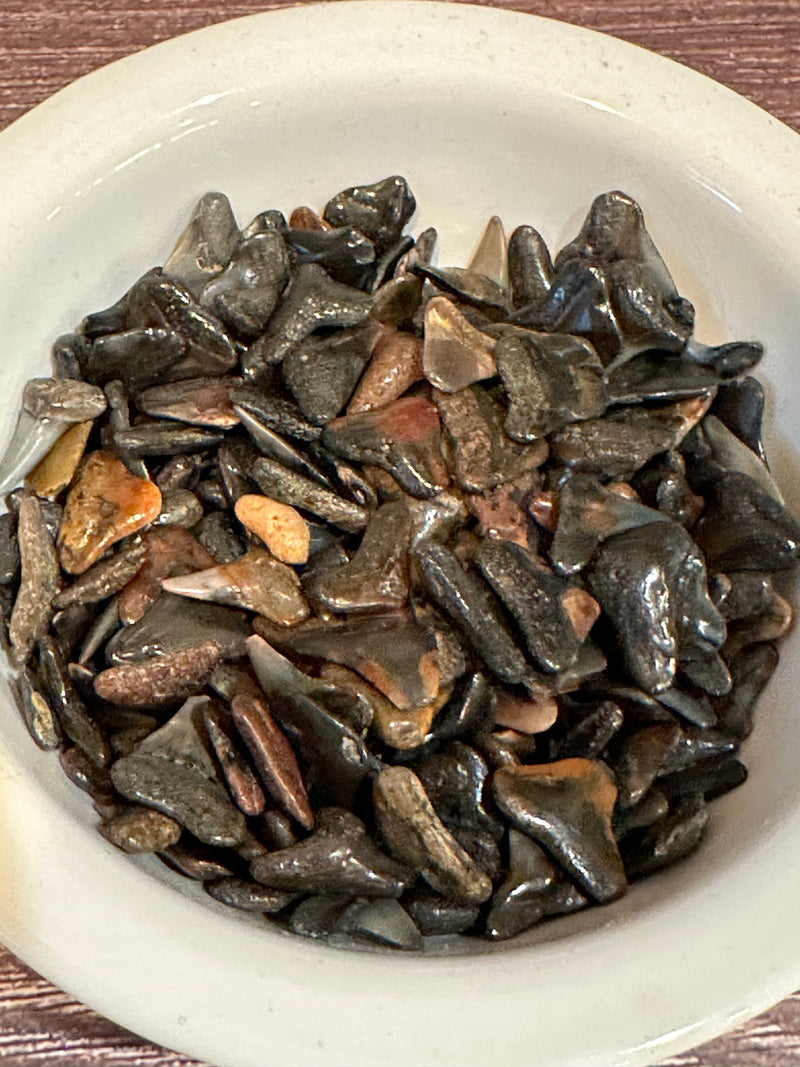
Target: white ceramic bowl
[485,111]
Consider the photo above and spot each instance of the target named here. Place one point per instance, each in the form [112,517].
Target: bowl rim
[32,149]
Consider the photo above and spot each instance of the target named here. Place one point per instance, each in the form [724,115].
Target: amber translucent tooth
[159,680]
[304,218]
[55,471]
[490,255]
[282,529]
[455,354]
[242,783]
[105,504]
[273,757]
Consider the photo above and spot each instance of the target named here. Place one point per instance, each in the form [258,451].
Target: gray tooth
[49,407]
[734,455]
[206,245]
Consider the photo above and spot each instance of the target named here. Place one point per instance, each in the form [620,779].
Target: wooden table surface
[751,45]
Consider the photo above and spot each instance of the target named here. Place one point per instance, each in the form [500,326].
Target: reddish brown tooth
[242,783]
[395,366]
[282,529]
[274,758]
[170,551]
[304,218]
[160,680]
[455,354]
[105,504]
[197,401]
[256,582]
[501,518]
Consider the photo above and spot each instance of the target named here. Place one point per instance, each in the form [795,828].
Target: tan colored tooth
[282,529]
[525,715]
[141,830]
[170,551]
[105,504]
[454,354]
[56,470]
[583,610]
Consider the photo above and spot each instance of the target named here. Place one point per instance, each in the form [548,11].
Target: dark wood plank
[751,45]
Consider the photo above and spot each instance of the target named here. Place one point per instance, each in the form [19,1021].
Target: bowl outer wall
[485,111]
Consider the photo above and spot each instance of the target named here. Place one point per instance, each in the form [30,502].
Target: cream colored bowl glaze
[484,111]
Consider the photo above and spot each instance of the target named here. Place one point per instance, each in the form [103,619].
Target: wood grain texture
[751,45]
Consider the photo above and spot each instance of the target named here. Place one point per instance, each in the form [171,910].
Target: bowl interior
[82,217]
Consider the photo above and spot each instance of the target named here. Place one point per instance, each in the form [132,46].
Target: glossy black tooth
[387,265]
[744,528]
[566,807]
[137,357]
[530,268]
[521,901]
[670,839]
[751,670]
[269,443]
[70,626]
[288,487]
[696,710]
[173,623]
[338,858]
[652,807]
[101,629]
[729,454]
[275,412]
[73,717]
[36,711]
[245,294]
[536,599]
[654,376]
[436,917]
[333,757]
[343,475]
[110,320]
[264,222]
[467,287]
[712,778]
[220,535]
[345,254]
[662,484]
[322,372]
[551,380]
[473,608]
[165,439]
[248,896]
[729,360]
[380,211]
[456,782]
[639,759]
[311,302]
[68,356]
[467,713]
[592,734]
[740,405]
[206,245]
[746,595]
[9,549]
[651,583]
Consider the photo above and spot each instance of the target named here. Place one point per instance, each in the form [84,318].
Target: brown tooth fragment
[483,456]
[395,366]
[454,353]
[274,758]
[256,582]
[196,861]
[418,838]
[376,578]
[304,218]
[160,680]
[105,504]
[490,256]
[526,715]
[282,529]
[567,807]
[171,551]
[640,758]
[404,438]
[242,783]
[105,578]
[197,401]
[543,509]
[582,609]
[289,487]
[40,582]
[339,857]
[141,830]
[55,471]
